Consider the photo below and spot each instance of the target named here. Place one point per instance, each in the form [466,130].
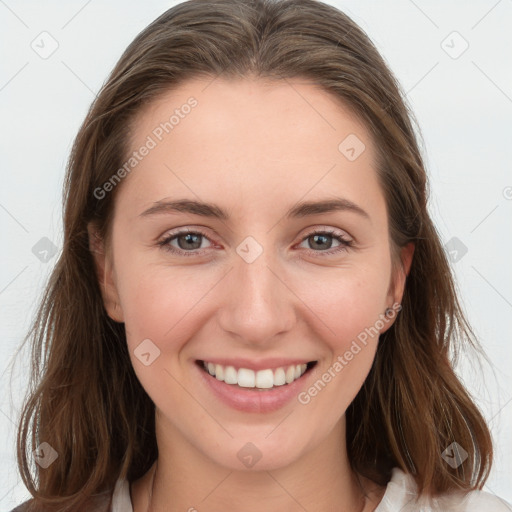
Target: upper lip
[253,364]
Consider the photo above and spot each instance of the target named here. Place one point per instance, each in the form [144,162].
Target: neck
[187,480]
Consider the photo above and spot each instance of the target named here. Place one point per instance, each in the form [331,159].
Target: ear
[401,273]
[104,274]
[397,285]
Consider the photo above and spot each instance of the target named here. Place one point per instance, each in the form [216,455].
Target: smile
[262,379]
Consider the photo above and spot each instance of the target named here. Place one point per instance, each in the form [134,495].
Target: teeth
[279,377]
[265,379]
[290,374]
[230,375]
[219,372]
[246,378]
[262,379]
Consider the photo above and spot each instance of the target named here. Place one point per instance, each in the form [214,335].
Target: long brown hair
[85,400]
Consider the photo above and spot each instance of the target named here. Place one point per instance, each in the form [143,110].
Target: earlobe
[104,274]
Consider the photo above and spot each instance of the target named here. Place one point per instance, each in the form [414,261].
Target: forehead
[237,140]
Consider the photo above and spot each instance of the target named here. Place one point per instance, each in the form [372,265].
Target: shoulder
[121,499]
[401,494]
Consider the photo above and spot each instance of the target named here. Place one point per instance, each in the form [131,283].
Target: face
[257,281]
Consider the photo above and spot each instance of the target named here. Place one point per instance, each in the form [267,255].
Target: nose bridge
[257,304]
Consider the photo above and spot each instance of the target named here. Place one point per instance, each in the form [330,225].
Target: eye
[321,241]
[187,240]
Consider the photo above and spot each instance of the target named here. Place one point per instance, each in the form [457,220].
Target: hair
[84,398]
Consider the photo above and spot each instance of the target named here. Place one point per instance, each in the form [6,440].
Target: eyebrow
[299,210]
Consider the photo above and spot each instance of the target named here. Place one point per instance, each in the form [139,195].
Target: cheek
[349,313]
[344,302]
[162,312]
[160,303]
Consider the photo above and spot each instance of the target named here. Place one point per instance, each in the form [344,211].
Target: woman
[252,309]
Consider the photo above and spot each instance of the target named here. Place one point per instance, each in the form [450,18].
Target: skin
[255,148]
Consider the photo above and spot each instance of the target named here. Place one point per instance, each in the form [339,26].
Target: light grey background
[462,100]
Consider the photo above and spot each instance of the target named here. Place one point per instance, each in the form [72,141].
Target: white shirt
[399,496]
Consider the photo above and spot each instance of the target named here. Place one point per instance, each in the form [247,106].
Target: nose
[257,304]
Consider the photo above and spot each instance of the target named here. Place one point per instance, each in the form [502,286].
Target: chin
[251,453]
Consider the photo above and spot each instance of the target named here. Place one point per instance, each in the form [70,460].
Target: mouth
[262,380]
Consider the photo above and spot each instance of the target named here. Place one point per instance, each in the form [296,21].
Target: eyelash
[344,243]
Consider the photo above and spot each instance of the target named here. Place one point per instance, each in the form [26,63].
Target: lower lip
[253,399]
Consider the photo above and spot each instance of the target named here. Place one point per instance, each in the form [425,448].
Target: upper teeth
[262,379]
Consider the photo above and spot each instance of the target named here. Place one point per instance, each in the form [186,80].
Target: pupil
[324,237]
[189,237]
